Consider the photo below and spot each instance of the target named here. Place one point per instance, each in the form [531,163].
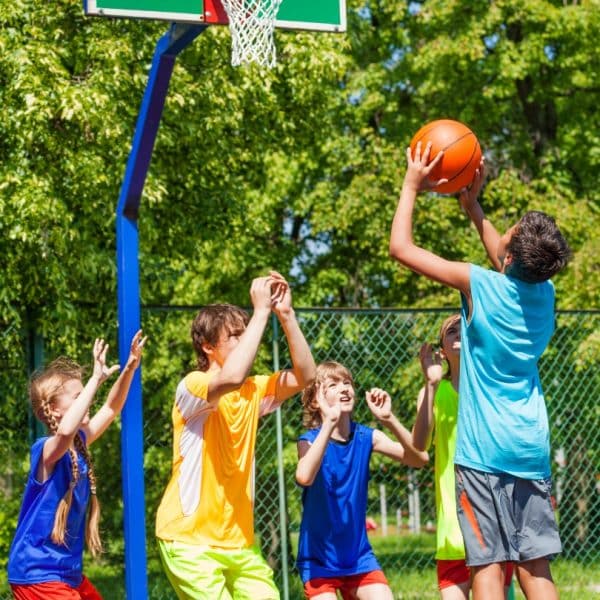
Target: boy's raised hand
[281,297]
[260,293]
[379,403]
[101,370]
[135,351]
[419,168]
[328,412]
[468,195]
[431,363]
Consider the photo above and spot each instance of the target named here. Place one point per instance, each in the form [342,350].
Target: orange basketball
[462,153]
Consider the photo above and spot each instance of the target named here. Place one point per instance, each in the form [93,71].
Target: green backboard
[317,15]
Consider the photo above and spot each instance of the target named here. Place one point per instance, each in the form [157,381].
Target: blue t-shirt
[33,556]
[502,419]
[333,536]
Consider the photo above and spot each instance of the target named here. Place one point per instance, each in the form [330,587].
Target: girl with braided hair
[46,556]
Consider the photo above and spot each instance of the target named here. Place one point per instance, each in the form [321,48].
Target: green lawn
[414,579]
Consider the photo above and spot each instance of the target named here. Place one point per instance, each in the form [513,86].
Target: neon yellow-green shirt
[450,545]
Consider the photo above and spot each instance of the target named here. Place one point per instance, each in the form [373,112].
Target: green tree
[296,168]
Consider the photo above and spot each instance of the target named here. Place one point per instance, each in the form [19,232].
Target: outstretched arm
[380,404]
[238,363]
[310,456]
[303,365]
[70,422]
[118,392]
[402,247]
[431,364]
[487,232]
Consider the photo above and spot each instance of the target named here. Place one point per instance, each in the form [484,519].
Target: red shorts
[456,572]
[56,590]
[347,584]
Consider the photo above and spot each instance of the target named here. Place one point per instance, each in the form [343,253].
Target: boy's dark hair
[538,248]
[211,323]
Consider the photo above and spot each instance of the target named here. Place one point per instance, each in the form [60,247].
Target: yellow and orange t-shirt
[210,497]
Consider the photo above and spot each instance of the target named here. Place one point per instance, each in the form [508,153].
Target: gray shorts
[505,518]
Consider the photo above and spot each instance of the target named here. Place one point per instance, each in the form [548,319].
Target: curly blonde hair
[44,387]
[311,414]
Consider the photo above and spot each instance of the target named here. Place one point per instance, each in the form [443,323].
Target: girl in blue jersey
[333,468]
[46,556]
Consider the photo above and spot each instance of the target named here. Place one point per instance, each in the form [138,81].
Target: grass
[407,561]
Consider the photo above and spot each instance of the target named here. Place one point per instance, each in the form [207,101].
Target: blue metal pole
[128,298]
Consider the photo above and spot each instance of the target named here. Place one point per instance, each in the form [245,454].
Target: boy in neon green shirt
[437,413]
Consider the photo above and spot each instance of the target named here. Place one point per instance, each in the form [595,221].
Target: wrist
[96,379]
[287,314]
[261,312]
[411,186]
[386,419]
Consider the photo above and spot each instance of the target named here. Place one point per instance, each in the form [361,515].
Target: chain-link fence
[380,347]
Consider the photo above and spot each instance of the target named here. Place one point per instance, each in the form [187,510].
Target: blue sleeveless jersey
[33,557]
[333,536]
[502,419]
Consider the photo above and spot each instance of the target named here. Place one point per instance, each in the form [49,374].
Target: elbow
[419,460]
[399,250]
[303,479]
[307,376]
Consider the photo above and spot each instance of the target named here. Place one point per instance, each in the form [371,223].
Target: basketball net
[252,23]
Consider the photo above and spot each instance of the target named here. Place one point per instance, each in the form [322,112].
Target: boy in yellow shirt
[205,524]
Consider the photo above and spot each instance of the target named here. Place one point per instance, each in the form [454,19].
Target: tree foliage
[297,168]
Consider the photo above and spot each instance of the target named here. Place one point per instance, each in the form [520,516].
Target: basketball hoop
[252,23]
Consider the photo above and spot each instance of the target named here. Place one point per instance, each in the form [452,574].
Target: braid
[64,506]
[43,389]
[92,532]
[62,510]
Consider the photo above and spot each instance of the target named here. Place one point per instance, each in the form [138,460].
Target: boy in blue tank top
[502,457]
[333,468]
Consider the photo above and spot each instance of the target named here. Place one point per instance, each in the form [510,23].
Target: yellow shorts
[203,572]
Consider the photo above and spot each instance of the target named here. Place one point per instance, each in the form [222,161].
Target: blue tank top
[33,556]
[502,419]
[333,536]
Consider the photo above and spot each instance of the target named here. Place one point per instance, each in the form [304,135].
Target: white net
[252,23]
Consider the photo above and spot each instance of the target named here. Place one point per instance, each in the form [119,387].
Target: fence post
[35,358]
[383,504]
[414,506]
[281,473]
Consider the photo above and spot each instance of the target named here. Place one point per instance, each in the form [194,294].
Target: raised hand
[419,168]
[281,297]
[468,195]
[379,403]
[328,412]
[101,370]
[431,363]
[135,351]
[260,293]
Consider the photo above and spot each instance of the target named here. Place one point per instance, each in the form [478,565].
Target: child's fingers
[276,275]
[426,153]
[436,159]
[102,356]
[113,369]
[138,341]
